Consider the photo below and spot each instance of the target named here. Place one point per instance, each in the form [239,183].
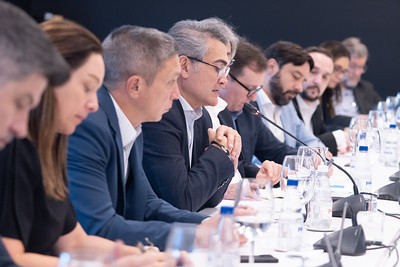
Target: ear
[134,85]
[272,66]
[185,65]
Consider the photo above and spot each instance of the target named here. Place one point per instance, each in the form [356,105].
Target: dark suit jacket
[366,99]
[319,128]
[104,204]
[257,140]
[166,162]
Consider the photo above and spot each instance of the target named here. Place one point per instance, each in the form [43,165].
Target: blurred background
[306,22]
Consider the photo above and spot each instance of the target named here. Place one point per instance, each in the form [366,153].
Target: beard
[276,90]
[307,97]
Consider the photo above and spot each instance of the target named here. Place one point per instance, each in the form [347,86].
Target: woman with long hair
[332,94]
[37,220]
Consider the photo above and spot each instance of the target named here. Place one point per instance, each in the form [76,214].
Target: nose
[223,81]
[19,128]
[175,92]
[92,103]
[298,86]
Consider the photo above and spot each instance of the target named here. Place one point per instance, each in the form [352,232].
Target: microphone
[253,110]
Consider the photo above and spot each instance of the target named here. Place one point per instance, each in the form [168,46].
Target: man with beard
[288,66]
[307,103]
[357,96]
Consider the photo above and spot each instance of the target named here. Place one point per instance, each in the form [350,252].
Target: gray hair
[191,36]
[355,47]
[25,49]
[133,50]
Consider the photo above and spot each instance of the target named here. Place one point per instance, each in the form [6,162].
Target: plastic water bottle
[228,249]
[320,209]
[390,149]
[362,170]
[290,226]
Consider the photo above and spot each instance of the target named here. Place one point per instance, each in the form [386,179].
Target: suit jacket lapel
[105,102]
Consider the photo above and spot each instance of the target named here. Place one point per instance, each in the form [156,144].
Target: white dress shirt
[190,116]
[348,106]
[214,111]
[307,111]
[272,112]
[128,134]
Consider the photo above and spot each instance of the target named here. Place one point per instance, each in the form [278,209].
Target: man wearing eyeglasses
[358,96]
[188,164]
[244,81]
[288,66]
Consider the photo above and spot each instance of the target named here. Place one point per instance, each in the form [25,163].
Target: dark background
[306,22]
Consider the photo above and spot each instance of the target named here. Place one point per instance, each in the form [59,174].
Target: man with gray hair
[357,96]
[188,164]
[28,63]
[108,187]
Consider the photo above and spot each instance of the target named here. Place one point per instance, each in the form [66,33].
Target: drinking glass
[83,257]
[376,119]
[185,247]
[356,123]
[317,153]
[299,168]
[259,197]
[398,117]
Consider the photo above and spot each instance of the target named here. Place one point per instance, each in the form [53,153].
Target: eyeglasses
[222,71]
[339,70]
[250,92]
[362,69]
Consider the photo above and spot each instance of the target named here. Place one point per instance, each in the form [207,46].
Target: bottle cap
[392,126]
[363,148]
[291,182]
[323,168]
[226,210]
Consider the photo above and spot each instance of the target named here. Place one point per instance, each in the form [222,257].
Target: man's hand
[269,171]
[230,139]
[231,192]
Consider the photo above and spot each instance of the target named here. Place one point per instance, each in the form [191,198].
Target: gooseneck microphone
[253,110]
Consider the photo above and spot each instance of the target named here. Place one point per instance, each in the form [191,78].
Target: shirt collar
[128,132]
[189,111]
[311,107]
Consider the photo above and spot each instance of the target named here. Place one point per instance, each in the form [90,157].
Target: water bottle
[228,247]
[290,226]
[362,170]
[390,148]
[320,209]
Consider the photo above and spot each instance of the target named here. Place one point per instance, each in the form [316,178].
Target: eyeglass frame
[250,92]
[221,70]
[356,67]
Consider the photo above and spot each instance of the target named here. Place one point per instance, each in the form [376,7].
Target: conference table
[341,187]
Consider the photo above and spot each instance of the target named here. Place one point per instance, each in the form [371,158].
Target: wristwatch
[222,147]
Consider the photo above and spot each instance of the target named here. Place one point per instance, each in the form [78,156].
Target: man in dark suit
[188,164]
[358,96]
[28,63]
[245,79]
[108,186]
[308,106]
